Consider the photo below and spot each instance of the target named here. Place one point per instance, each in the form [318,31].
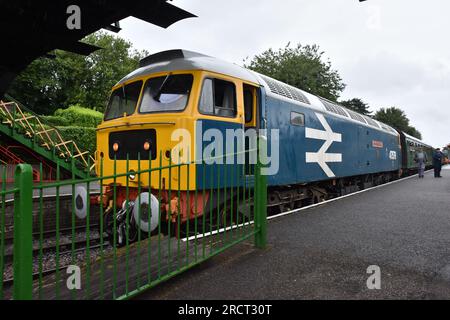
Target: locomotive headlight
[115,147]
[132,175]
[147,146]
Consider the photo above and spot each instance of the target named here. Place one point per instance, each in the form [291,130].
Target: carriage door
[250,125]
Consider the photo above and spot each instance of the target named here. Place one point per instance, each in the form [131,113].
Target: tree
[397,118]
[69,79]
[357,105]
[302,67]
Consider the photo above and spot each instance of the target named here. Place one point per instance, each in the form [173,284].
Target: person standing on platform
[421,160]
[437,163]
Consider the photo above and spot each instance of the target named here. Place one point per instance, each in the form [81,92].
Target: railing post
[23,233]
[260,201]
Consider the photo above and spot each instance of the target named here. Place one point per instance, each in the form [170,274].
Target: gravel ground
[65,257]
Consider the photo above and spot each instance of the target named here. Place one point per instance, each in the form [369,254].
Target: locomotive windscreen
[166,94]
[123,101]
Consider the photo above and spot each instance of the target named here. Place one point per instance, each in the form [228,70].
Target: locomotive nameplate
[377,144]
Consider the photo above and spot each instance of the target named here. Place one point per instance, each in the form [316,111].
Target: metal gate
[48,252]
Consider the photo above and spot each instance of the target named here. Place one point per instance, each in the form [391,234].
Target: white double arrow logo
[322,157]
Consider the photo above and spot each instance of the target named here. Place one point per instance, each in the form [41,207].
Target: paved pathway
[324,252]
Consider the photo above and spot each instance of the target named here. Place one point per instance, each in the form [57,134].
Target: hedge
[85,138]
[56,121]
[78,116]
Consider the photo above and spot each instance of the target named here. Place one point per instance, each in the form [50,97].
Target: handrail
[17,115]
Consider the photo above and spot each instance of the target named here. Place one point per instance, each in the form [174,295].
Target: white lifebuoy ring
[81,198]
[146,199]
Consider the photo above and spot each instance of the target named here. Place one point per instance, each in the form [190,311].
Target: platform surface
[324,252]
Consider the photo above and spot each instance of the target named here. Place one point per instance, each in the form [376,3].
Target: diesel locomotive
[324,149]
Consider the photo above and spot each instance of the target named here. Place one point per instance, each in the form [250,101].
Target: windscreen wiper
[124,95]
[157,96]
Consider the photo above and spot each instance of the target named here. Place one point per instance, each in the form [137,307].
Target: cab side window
[248,105]
[218,98]
[207,98]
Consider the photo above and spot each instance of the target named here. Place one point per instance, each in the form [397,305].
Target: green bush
[78,124]
[85,138]
[56,121]
[78,116]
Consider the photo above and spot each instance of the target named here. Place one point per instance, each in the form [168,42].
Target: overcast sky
[389,53]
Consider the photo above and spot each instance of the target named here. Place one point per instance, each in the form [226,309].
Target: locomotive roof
[175,60]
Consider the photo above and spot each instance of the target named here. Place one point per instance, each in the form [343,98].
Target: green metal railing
[22,268]
[113,254]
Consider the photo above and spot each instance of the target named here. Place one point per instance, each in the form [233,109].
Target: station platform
[324,252]
[94,188]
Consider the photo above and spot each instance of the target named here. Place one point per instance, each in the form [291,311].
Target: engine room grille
[285,90]
[356,116]
[331,107]
[387,128]
[340,110]
[384,127]
[371,122]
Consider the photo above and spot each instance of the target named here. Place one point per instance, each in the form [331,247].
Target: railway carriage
[323,149]
[410,145]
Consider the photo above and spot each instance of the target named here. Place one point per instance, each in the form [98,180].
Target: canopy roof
[32,28]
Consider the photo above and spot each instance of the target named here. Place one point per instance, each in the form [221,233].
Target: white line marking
[218,231]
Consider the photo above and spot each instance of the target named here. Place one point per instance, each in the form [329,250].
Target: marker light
[132,175]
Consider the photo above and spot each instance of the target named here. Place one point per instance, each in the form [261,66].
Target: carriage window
[166,94]
[297,119]
[218,98]
[123,101]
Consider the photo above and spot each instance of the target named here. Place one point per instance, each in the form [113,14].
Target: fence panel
[16,242]
[5,194]
[115,235]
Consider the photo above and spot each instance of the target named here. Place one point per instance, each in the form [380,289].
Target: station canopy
[33,28]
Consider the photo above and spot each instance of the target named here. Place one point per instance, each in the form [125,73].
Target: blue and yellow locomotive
[317,148]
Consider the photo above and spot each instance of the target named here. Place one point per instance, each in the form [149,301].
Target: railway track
[52,248]
[49,271]
[46,234]
[45,218]
[46,251]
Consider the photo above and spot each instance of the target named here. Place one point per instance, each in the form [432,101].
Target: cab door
[251,124]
